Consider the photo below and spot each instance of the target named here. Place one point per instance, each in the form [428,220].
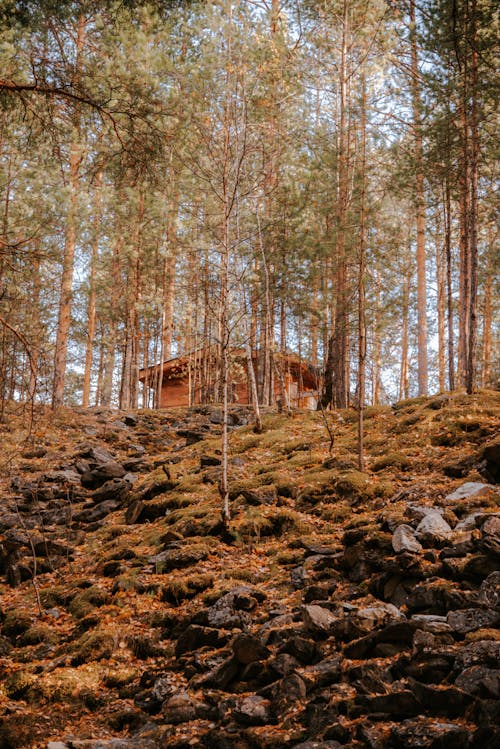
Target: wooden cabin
[193,378]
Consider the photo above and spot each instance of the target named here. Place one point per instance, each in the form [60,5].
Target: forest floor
[345,608]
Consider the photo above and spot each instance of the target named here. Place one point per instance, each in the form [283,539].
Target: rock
[130,420]
[253,711]
[398,703]
[288,691]
[98,476]
[100,511]
[449,701]
[469,620]
[481,652]
[98,455]
[469,523]
[209,460]
[325,672]
[433,530]
[467,490]
[134,512]
[389,641]
[431,623]
[318,619]
[426,733]
[248,649]
[403,539]
[490,467]
[178,558]
[481,681]
[116,489]
[196,636]
[179,708]
[489,591]
[221,675]
[304,649]
[155,488]
[231,608]
[318,745]
[419,512]
[371,617]
[267,495]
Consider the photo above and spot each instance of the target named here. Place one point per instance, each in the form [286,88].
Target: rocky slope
[345,609]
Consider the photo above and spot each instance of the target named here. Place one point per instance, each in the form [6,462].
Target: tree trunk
[91,309]
[66,295]
[420,209]
[340,333]
[361,287]
[449,288]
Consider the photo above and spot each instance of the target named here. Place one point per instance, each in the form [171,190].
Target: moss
[15,623]
[371,412]
[18,683]
[335,513]
[185,588]
[93,646]
[289,557]
[483,634]
[392,460]
[409,405]
[253,524]
[354,485]
[37,634]
[54,596]
[119,677]
[69,685]
[83,603]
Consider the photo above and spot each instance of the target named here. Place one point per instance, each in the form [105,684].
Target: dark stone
[98,476]
[301,648]
[469,620]
[324,673]
[400,704]
[448,701]
[173,559]
[481,681]
[231,608]
[248,649]
[153,490]
[179,708]
[318,745]
[253,711]
[196,636]
[130,420]
[426,733]
[318,619]
[192,436]
[116,488]
[288,691]
[134,512]
[265,496]
[209,460]
[479,653]
[489,591]
[100,511]
[399,635]
[480,566]
[490,467]
[221,675]
[429,667]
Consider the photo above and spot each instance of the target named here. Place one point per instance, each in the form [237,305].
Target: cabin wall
[176,393]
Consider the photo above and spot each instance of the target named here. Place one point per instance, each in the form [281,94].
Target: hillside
[346,609]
